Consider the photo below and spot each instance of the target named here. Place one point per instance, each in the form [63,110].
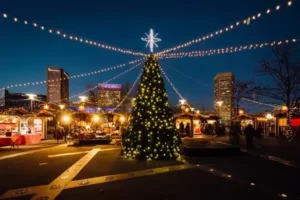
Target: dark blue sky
[26,52]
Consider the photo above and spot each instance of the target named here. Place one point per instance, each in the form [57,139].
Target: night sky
[25,52]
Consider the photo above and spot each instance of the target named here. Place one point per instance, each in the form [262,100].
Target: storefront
[195,122]
[23,127]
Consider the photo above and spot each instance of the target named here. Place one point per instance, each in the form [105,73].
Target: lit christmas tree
[151,133]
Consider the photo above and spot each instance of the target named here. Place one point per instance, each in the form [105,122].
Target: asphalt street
[99,172]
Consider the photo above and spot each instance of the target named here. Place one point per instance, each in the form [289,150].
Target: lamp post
[31,97]
[219,103]
[66,119]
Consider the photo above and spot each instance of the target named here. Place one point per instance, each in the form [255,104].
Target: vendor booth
[20,127]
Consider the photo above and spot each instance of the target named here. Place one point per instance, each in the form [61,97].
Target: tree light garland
[246,21]
[227,50]
[74,76]
[72,37]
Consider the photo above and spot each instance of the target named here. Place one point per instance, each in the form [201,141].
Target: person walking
[181,128]
[187,129]
[249,133]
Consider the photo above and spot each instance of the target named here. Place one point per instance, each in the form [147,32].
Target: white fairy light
[151,40]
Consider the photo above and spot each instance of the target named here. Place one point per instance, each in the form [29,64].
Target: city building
[57,85]
[224,95]
[109,96]
[21,100]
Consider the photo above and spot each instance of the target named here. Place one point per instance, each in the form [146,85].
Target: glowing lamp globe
[31,96]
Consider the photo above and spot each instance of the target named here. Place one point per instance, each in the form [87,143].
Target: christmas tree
[151,133]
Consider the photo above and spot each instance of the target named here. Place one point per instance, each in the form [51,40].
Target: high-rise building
[57,85]
[224,95]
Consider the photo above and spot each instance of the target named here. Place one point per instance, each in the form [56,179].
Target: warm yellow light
[81,107]
[96,118]
[83,98]
[122,119]
[269,116]
[66,118]
[284,108]
[241,112]
[87,126]
[187,110]
[31,96]
[220,103]
[198,112]
[46,107]
[62,106]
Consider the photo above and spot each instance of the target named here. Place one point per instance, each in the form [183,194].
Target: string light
[226,50]
[75,76]
[121,74]
[76,38]
[126,96]
[246,21]
[173,86]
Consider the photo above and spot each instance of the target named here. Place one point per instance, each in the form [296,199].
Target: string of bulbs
[245,21]
[70,37]
[74,76]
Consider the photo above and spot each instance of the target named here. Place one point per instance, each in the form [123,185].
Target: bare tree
[242,89]
[284,75]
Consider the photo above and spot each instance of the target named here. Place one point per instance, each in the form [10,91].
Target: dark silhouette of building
[57,85]
[20,100]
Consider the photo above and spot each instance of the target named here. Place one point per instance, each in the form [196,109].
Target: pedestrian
[56,134]
[249,133]
[181,128]
[258,135]
[187,129]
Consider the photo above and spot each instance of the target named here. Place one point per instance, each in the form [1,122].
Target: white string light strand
[71,37]
[246,21]
[227,50]
[172,85]
[121,74]
[74,76]
[130,90]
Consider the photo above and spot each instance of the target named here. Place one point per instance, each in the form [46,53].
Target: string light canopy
[246,21]
[70,37]
[151,40]
[74,76]
[227,50]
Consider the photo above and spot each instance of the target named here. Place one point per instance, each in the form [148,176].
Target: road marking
[43,164]
[28,152]
[95,180]
[58,185]
[272,158]
[125,176]
[67,154]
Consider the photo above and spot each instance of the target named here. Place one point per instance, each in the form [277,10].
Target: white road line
[96,180]
[43,164]
[67,154]
[59,184]
[28,152]
[125,176]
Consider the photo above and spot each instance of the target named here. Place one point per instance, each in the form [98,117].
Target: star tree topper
[151,40]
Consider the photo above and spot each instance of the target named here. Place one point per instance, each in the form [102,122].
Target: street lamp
[182,101]
[187,110]
[219,103]
[31,97]
[46,107]
[198,112]
[62,106]
[96,118]
[269,116]
[192,109]
[66,119]
[83,98]
[122,119]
